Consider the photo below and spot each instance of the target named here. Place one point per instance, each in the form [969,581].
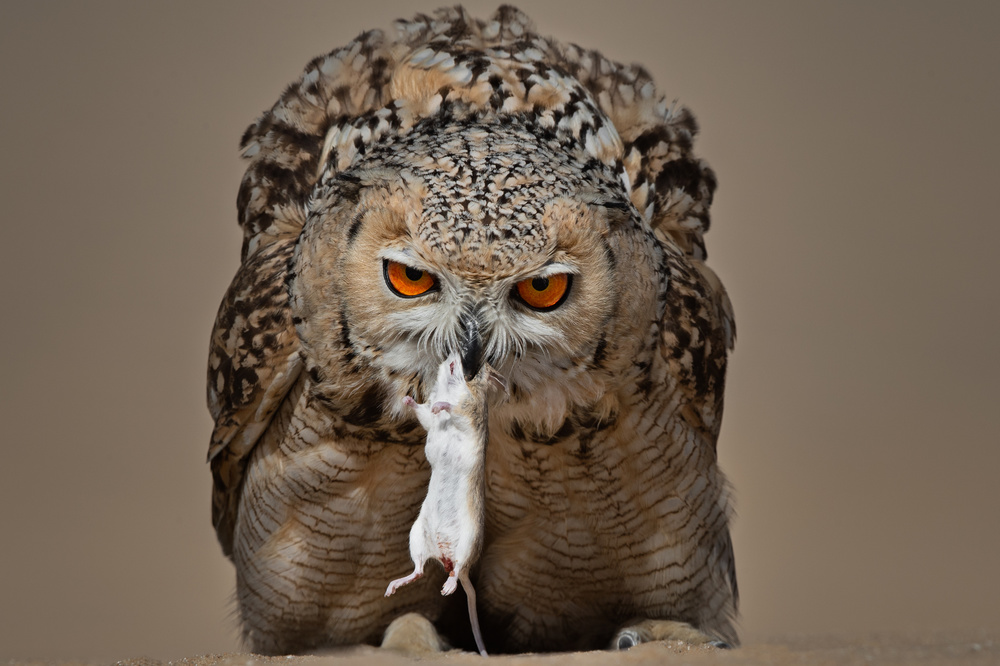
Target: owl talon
[646,631]
[627,639]
[413,635]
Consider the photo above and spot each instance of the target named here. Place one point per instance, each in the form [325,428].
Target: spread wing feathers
[449,65]
[253,362]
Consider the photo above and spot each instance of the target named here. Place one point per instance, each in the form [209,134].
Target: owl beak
[471,347]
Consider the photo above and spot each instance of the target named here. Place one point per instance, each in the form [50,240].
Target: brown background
[856,228]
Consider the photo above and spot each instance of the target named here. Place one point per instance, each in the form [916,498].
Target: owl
[468,186]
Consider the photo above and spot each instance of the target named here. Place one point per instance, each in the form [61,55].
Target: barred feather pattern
[487,154]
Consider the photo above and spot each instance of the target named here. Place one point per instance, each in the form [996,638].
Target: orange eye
[407,281]
[544,293]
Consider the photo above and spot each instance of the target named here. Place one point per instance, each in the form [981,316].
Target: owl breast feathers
[469,186]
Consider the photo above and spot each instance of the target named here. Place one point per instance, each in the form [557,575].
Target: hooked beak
[471,346]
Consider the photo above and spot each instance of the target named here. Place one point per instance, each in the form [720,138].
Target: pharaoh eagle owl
[470,186]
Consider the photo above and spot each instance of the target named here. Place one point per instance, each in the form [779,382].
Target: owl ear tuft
[617,213]
[613,211]
[349,184]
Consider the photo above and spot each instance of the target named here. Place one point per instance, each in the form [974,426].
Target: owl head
[486,240]
[469,186]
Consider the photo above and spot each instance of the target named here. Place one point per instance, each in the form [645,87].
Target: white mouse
[450,525]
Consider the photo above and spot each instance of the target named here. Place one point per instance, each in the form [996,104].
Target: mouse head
[451,386]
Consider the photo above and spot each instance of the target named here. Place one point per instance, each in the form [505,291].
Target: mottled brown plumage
[483,158]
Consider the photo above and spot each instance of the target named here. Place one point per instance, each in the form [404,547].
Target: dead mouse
[450,525]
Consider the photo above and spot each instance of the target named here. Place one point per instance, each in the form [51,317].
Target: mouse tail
[470,594]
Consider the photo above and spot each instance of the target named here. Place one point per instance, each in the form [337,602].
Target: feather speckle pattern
[547,214]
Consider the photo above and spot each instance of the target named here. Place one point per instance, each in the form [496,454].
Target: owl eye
[544,293]
[407,281]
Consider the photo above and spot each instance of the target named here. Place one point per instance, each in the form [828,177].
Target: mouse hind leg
[450,585]
[418,571]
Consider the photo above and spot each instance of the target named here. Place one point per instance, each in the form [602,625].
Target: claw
[627,639]
[645,631]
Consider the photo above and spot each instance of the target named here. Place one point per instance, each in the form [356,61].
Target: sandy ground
[966,648]
[855,229]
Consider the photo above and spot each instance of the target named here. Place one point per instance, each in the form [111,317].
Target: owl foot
[413,634]
[645,631]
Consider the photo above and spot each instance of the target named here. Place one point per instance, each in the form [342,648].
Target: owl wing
[697,332]
[255,354]
[254,360]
